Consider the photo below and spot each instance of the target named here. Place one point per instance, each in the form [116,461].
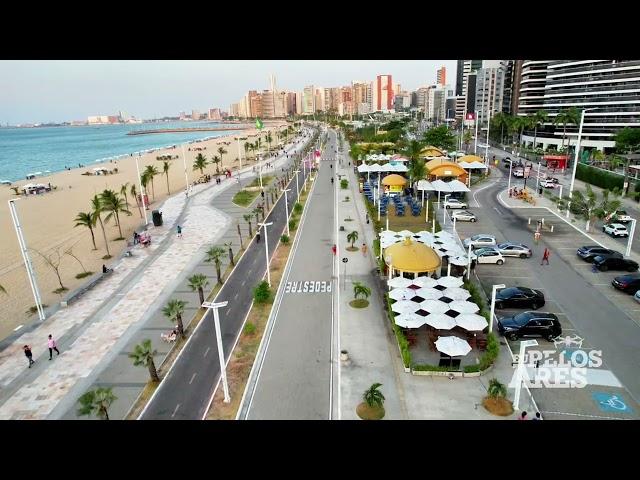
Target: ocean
[51,149]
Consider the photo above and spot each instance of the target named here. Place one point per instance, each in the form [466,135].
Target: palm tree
[248,217]
[412,151]
[496,389]
[151,172]
[565,117]
[198,282]
[256,213]
[229,245]
[467,140]
[247,147]
[165,169]
[374,397]
[173,311]
[200,163]
[360,288]
[221,151]
[215,160]
[134,194]
[3,290]
[539,118]
[142,355]
[214,254]
[588,207]
[123,191]
[96,204]
[269,139]
[352,237]
[144,181]
[417,171]
[113,204]
[97,402]
[87,220]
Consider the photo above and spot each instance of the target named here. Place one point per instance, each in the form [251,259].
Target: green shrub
[284,239]
[471,368]
[262,293]
[292,224]
[598,177]
[297,207]
[344,183]
[402,340]
[430,368]
[249,328]
[376,247]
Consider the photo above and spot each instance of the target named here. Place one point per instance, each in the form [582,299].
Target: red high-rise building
[441,76]
[383,93]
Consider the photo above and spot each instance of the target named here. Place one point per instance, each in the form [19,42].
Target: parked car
[480,240]
[510,249]
[518,172]
[455,203]
[464,216]
[621,216]
[629,283]
[636,297]
[612,262]
[615,230]
[589,252]
[519,297]
[530,324]
[488,255]
[547,183]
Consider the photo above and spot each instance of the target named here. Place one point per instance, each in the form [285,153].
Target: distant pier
[182,130]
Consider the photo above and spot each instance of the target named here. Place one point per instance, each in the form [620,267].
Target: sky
[57,91]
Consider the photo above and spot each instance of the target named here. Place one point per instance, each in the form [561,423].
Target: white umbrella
[476,164]
[404,294]
[462,306]
[375,168]
[400,168]
[400,282]
[459,261]
[387,242]
[450,281]
[434,306]
[409,320]
[457,186]
[440,321]
[425,185]
[471,322]
[453,346]
[440,186]
[428,293]
[443,234]
[406,233]
[363,168]
[405,306]
[455,293]
[424,282]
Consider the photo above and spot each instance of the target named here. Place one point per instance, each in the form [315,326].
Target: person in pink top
[52,346]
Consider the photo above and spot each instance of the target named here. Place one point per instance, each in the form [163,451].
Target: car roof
[482,235]
[537,314]
[630,276]
[591,247]
[512,243]
[617,225]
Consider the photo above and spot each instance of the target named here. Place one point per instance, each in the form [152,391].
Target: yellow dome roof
[431,151]
[410,256]
[471,158]
[394,180]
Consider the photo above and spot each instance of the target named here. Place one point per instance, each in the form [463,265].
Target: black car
[530,324]
[629,283]
[589,252]
[612,262]
[519,297]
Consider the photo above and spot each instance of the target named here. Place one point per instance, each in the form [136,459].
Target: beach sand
[48,221]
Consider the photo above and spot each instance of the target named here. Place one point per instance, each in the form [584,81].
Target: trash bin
[157,217]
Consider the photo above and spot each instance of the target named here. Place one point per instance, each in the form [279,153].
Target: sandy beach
[48,220]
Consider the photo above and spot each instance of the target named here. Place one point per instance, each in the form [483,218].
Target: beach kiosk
[393,184]
[411,259]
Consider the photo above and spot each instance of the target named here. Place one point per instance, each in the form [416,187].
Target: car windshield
[522,318]
[508,292]
[477,237]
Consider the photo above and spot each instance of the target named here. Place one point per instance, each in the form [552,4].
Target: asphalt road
[186,391]
[595,316]
[294,381]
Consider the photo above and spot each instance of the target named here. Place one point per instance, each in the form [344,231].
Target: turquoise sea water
[30,150]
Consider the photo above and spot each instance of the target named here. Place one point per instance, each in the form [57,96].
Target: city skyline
[75,90]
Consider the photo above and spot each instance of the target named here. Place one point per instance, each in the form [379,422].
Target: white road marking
[18,328]
[497,210]
[191,381]
[174,412]
[243,282]
[205,353]
[479,190]
[236,297]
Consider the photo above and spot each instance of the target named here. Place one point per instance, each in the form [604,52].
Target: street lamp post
[493,303]
[239,158]
[630,239]
[444,213]
[510,169]
[266,248]
[296,171]
[486,151]
[223,367]
[27,259]
[575,160]
[143,193]
[186,176]
[469,262]
[475,148]
[286,208]
[523,345]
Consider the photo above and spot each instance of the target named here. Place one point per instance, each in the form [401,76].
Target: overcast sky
[56,91]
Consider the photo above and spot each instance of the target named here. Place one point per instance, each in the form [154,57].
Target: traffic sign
[345,260]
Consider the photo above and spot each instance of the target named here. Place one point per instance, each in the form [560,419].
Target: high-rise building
[291,103]
[309,100]
[195,115]
[214,114]
[489,94]
[465,68]
[256,105]
[441,76]
[396,88]
[508,67]
[421,98]
[299,103]
[319,99]
[383,94]
[401,101]
[436,104]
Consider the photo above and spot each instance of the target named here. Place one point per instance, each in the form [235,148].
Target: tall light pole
[239,157]
[510,169]
[304,174]
[575,161]
[296,171]
[518,387]
[286,208]
[266,248]
[186,177]
[143,193]
[493,303]
[630,239]
[486,151]
[475,148]
[223,367]
[27,260]
[260,171]
[444,213]
[469,262]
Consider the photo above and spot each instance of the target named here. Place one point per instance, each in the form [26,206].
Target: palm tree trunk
[168,192]
[153,190]
[104,234]
[180,325]
[201,294]
[218,273]
[118,220]
[250,232]
[93,238]
[139,209]
[106,413]
[153,372]
[126,199]
[231,256]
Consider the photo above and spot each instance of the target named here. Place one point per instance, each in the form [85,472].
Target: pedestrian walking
[334,249]
[258,237]
[179,228]
[28,354]
[366,215]
[364,249]
[537,417]
[52,344]
[545,256]
[523,416]
[536,236]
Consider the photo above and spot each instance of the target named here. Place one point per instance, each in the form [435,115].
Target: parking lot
[604,396]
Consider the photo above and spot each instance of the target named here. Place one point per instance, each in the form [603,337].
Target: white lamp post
[304,174]
[223,367]
[469,262]
[260,171]
[510,169]
[486,151]
[388,259]
[186,176]
[575,161]
[444,213]
[426,211]
[27,260]
[630,239]
[286,208]
[493,303]
[475,148]
[266,248]
[142,192]
[297,186]
[377,192]
[523,345]
[538,177]
[239,157]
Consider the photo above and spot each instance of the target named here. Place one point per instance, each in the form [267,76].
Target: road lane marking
[498,210]
[243,282]
[191,381]
[479,190]
[18,328]
[174,412]
[236,297]
[205,353]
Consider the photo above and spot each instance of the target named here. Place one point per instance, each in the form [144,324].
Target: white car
[454,203]
[464,216]
[548,184]
[622,217]
[480,240]
[616,230]
[488,255]
[518,172]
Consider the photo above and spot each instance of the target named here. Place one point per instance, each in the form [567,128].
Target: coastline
[48,219]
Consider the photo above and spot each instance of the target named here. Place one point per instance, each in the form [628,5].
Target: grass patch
[359,303]
[106,257]
[249,329]
[33,309]
[244,198]
[365,412]
[266,180]
[83,275]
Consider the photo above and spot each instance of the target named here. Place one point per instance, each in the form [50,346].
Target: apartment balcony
[608,65]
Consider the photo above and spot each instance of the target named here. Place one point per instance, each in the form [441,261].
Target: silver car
[480,240]
[464,216]
[510,249]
